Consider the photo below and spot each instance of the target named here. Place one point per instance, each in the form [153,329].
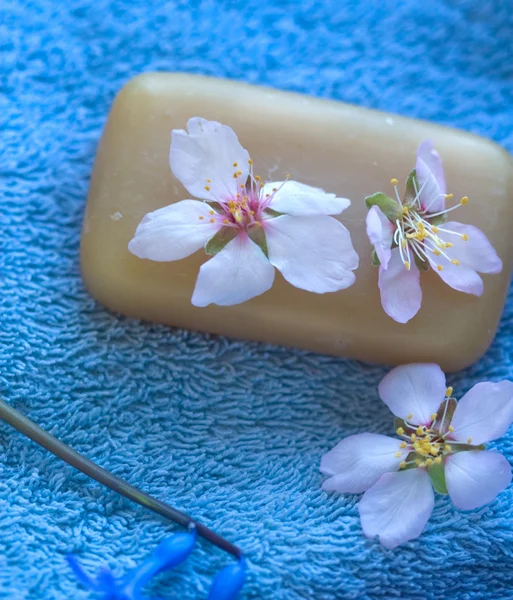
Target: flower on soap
[440,445]
[413,235]
[248,226]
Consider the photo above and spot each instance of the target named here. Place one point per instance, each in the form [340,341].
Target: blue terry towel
[231,432]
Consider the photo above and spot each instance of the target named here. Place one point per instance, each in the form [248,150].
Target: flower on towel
[440,445]
[412,235]
[248,226]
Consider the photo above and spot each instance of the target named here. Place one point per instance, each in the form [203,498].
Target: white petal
[475,478]
[460,278]
[416,389]
[239,272]
[401,295]
[431,178]
[312,253]
[358,461]
[208,151]
[476,253]
[298,199]
[484,413]
[380,232]
[398,507]
[175,231]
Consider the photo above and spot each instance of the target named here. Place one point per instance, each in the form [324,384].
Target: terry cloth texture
[230,432]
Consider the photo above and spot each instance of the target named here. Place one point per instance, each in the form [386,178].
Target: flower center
[417,231]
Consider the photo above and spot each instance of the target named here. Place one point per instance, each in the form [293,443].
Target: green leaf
[410,194]
[444,416]
[422,265]
[256,233]
[375,262]
[389,207]
[436,473]
[216,243]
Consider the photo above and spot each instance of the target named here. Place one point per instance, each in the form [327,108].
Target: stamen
[400,431]
[464,201]
[451,428]
[464,237]
[449,391]
[455,261]
[235,164]
[212,220]
[398,454]
[394,181]
[469,441]
[402,445]
[440,267]
[200,217]
[207,187]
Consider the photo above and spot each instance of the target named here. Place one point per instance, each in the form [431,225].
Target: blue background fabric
[231,432]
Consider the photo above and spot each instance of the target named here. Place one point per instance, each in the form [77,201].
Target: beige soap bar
[350,151]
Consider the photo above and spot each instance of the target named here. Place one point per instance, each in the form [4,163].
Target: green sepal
[217,207]
[422,265]
[216,243]
[389,207]
[272,213]
[257,234]
[408,429]
[412,456]
[375,262]
[463,447]
[436,473]
[436,221]
[411,185]
[444,416]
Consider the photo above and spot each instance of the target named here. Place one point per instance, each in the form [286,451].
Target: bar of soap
[350,151]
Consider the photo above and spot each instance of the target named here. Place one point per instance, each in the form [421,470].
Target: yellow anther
[262,184]
[394,181]
[451,428]
[407,265]
[212,220]
[413,437]
[438,460]
[448,196]
[440,267]
[464,237]
[410,416]
[398,454]
[464,200]
[447,448]
[449,391]
[455,261]
[469,441]
[402,465]
[448,245]
[207,187]
[436,252]
[209,180]
[257,177]
[275,190]
[422,464]
[403,243]
[429,461]
[235,164]
[419,430]
[418,462]
[433,416]
[435,229]
[226,221]
[250,162]
[235,175]
[433,450]
[242,186]
[239,172]
[200,217]
[405,210]
[267,195]
[210,212]
[400,431]
[402,445]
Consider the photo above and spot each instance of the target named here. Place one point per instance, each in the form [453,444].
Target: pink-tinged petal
[401,295]
[431,178]
[484,413]
[208,151]
[298,199]
[416,389]
[476,253]
[459,277]
[239,272]
[313,253]
[398,507]
[380,232]
[475,478]
[358,461]
[175,231]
